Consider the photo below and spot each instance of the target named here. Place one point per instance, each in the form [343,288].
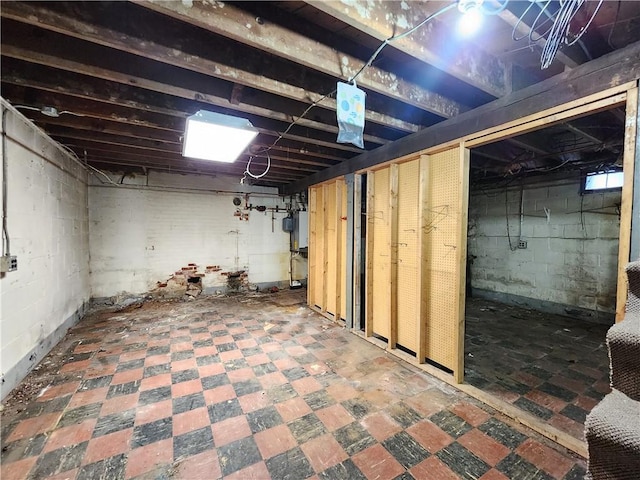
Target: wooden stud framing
[423,258]
[624,246]
[368,328]
[635,210]
[345,240]
[393,284]
[460,156]
[338,234]
[311,281]
[325,248]
[593,103]
[463,205]
[348,244]
[357,251]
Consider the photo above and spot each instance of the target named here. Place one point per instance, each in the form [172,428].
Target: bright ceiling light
[471,18]
[216,137]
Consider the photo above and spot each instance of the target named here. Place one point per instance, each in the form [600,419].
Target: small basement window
[598,181]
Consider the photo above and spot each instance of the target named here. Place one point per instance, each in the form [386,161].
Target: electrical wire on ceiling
[247,170]
[48,111]
[559,32]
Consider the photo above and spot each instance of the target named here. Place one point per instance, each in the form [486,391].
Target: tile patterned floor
[241,388]
[554,367]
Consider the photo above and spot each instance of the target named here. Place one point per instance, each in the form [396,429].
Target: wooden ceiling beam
[106,127]
[70,83]
[114,150]
[232,22]
[107,163]
[168,89]
[109,139]
[383,20]
[116,96]
[91,109]
[181,161]
[128,146]
[266,81]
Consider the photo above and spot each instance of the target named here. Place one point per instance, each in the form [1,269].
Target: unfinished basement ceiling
[124,76]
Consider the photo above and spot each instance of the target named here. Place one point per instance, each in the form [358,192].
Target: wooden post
[357,252]
[463,191]
[393,245]
[368,325]
[338,273]
[350,181]
[325,248]
[311,262]
[635,210]
[423,256]
[627,200]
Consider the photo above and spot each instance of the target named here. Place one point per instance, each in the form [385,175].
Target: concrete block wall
[570,263]
[149,227]
[48,229]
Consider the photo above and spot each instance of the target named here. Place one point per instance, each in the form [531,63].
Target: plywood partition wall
[416,254]
[443,269]
[379,231]
[326,290]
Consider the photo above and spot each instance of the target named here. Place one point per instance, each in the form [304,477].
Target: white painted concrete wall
[48,230]
[148,228]
[570,259]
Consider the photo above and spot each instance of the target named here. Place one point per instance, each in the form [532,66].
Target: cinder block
[533,268]
[547,230]
[531,194]
[586,260]
[522,279]
[556,206]
[545,256]
[580,232]
[582,286]
[609,229]
[562,245]
[605,246]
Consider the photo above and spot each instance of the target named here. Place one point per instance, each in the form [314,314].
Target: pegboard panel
[442,244]
[381,232]
[408,283]
[343,248]
[331,231]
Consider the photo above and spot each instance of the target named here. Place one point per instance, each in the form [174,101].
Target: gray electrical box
[287,224]
[8,263]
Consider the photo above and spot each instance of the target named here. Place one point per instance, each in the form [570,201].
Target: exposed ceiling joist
[430,44]
[231,22]
[120,94]
[239,72]
[166,88]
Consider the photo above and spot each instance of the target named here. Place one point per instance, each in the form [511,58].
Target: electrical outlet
[8,263]
[522,244]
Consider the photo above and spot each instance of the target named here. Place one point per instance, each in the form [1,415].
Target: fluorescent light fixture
[216,137]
